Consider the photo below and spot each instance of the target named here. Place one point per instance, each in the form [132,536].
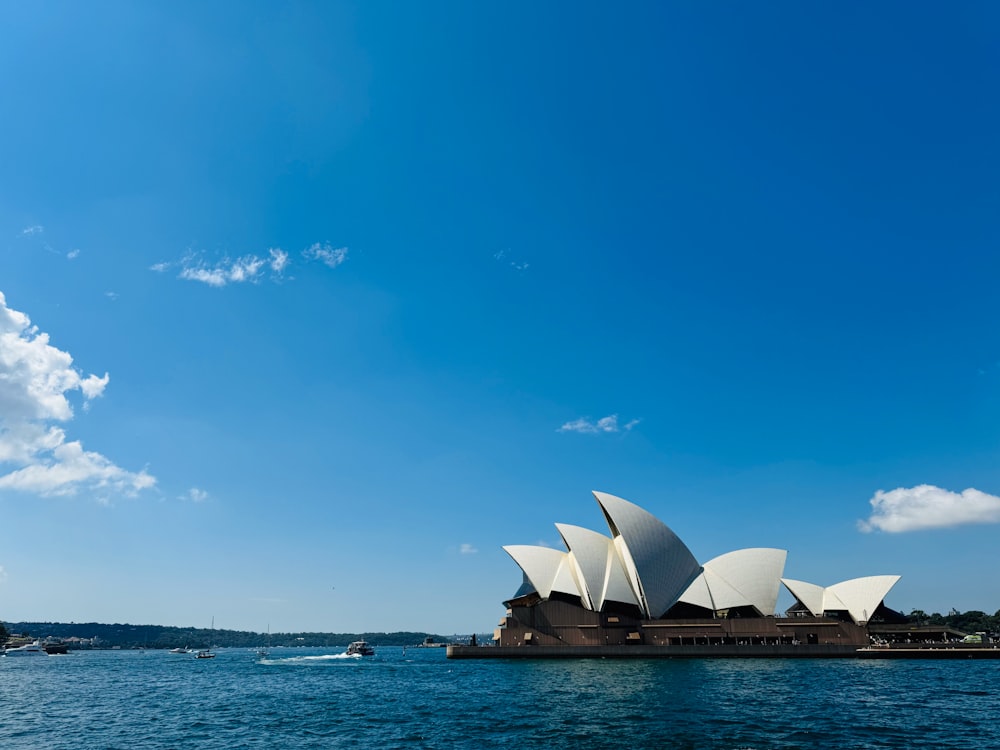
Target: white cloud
[248,268]
[32,230]
[604,424]
[467,549]
[210,276]
[74,253]
[929,507]
[326,253]
[68,468]
[36,379]
[279,259]
[195,495]
[93,386]
[113,296]
[227,271]
[3,574]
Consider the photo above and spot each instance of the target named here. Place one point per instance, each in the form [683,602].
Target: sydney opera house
[640,591]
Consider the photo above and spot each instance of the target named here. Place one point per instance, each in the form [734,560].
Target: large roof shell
[659,564]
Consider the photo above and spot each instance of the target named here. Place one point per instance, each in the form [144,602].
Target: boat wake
[313,659]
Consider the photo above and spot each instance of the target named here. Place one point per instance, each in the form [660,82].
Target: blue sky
[308,309]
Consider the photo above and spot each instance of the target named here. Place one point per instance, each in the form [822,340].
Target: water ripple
[303,699]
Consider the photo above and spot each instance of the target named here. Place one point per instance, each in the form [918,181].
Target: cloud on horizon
[928,507]
[467,549]
[603,425]
[250,269]
[34,452]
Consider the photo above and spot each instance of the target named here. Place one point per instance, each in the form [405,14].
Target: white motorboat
[360,648]
[30,649]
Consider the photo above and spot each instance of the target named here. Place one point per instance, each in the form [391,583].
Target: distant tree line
[973,621]
[159,636]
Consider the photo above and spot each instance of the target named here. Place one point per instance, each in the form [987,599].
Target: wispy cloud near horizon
[606,424]
[928,507]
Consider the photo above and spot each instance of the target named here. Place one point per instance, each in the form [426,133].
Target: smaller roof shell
[860,597]
[547,569]
[603,575]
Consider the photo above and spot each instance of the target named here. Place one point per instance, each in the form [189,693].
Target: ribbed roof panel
[664,566]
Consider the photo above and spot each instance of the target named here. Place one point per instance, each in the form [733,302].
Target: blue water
[311,698]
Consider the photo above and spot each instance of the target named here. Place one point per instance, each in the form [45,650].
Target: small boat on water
[360,648]
[180,650]
[206,653]
[264,653]
[29,649]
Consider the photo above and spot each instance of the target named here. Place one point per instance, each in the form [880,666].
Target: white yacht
[29,649]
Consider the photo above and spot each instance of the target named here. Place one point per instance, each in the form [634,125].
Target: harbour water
[311,698]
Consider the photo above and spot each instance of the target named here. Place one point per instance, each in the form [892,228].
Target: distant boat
[29,649]
[206,653]
[429,642]
[360,648]
[263,653]
[179,650]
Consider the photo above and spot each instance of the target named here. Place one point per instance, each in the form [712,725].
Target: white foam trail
[307,659]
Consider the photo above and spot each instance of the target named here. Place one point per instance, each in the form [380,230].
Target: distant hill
[159,636]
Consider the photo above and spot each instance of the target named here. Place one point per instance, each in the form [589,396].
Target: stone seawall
[802,651]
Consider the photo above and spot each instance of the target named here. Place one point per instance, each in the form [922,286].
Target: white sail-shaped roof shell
[603,573]
[809,594]
[755,573]
[743,578]
[860,597]
[699,594]
[659,565]
[548,569]
[724,595]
